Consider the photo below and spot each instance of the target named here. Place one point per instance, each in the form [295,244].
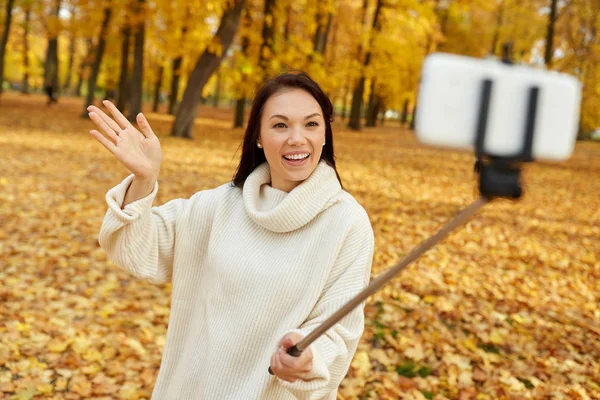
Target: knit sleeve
[334,350]
[140,238]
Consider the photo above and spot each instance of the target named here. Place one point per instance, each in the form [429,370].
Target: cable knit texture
[248,266]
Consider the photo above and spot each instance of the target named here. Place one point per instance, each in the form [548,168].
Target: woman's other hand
[287,367]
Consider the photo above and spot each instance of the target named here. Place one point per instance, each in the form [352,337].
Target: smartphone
[450,95]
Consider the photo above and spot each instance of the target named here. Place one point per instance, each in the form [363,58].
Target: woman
[255,264]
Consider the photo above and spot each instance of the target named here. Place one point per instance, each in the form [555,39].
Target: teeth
[296,156]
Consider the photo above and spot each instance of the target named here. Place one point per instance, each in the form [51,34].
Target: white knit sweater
[248,266]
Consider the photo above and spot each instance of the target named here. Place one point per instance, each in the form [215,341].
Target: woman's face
[291,126]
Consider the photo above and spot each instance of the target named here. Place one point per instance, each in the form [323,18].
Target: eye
[279,125]
[312,123]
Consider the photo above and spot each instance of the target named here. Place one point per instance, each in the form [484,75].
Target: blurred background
[505,308]
[367,55]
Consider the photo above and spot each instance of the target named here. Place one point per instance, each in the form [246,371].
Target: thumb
[145,126]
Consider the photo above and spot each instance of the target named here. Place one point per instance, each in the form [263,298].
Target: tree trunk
[373,111]
[372,107]
[175,84]
[239,113]
[4,39]
[345,101]
[67,86]
[413,120]
[266,48]
[240,104]
[25,86]
[355,113]
[91,87]
[176,71]
[51,64]
[499,22]
[404,116]
[322,33]
[137,75]
[157,90]
[82,67]
[207,63]
[288,23]
[550,34]
[356,110]
[124,83]
[381,109]
[217,90]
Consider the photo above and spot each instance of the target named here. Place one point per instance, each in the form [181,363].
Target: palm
[139,152]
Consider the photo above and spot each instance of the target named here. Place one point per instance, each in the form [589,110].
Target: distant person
[256,263]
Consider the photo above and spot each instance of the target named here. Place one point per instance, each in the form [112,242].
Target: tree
[4,39]
[266,48]
[157,87]
[51,64]
[91,87]
[137,75]
[72,40]
[240,103]
[357,97]
[207,63]
[26,24]
[124,83]
[550,33]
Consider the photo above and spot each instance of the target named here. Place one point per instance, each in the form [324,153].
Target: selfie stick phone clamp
[499,177]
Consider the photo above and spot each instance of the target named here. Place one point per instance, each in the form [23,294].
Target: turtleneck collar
[278,211]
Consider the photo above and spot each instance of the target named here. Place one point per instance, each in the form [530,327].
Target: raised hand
[139,152]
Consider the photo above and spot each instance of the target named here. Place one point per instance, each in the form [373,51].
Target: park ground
[505,308]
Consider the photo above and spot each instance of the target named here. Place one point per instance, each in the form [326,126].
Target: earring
[259,145]
[323,143]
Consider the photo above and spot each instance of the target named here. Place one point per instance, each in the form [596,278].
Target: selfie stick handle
[385,277]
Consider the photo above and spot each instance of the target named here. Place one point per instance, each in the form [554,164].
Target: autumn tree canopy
[149,49]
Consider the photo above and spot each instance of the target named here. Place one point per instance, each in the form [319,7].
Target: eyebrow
[287,119]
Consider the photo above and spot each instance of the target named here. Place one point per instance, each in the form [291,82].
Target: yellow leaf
[45,388]
[496,337]
[58,345]
[362,363]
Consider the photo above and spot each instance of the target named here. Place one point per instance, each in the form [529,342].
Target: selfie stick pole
[498,177]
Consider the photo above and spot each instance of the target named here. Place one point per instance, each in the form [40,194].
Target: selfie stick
[498,177]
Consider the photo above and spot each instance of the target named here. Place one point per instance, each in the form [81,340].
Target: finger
[109,121]
[275,364]
[102,125]
[301,363]
[120,118]
[104,141]
[280,370]
[289,361]
[145,126]
[287,343]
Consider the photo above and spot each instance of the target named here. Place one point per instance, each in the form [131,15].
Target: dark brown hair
[252,156]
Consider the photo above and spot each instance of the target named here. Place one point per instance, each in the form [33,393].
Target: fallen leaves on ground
[505,308]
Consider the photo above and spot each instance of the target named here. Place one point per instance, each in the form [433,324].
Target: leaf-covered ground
[504,308]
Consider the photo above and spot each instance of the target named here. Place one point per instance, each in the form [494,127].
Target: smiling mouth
[297,159]
[296,162]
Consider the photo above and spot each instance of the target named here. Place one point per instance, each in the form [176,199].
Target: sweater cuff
[318,377]
[132,211]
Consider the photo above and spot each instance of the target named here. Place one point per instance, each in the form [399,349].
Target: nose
[296,136]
